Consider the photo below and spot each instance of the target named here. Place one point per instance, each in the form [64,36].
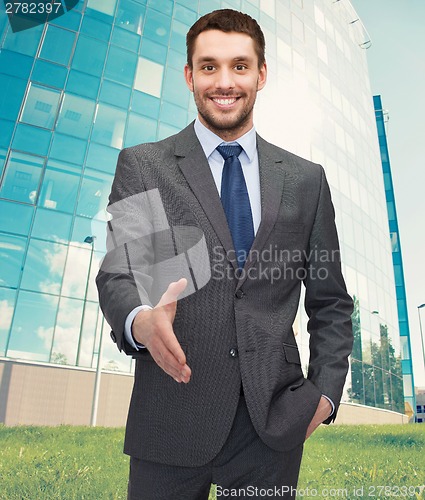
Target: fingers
[166,361]
[154,329]
[168,355]
[173,291]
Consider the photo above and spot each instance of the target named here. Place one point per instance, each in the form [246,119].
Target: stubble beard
[224,123]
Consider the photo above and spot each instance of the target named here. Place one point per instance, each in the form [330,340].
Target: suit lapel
[272,176]
[195,168]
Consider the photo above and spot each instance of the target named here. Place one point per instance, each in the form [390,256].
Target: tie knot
[229,151]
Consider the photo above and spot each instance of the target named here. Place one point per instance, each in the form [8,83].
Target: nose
[225,79]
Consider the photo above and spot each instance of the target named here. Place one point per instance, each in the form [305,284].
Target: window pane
[102,158]
[175,89]
[109,126]
[74,283]
[154,51]
[7,305]
[94,192]
[176,60]
[57,45]
[165,131]
[60,186]
[178,36]
[91,323]
[33,324]
[67,331]
[15,217]
[12,250]
[173,115]
[130,16]
[115,94]
[112,359]
[44,267]
[89,55]
[51,225]
[140,129]
[49,74]
[13,90]
[165,6]
[82,228]
[83,84]
[157,27]
[191,5]
[41,106]
[12,63]
[149,77]
[121,65]
[32,139]
[76,116]
[125,39]
[22,178]
[25,42]
[71,20]
[6,131]
[69,149]
[105,6]
[145,104]
[96,28]
[186,16]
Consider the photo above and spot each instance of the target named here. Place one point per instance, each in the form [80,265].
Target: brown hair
[227,20]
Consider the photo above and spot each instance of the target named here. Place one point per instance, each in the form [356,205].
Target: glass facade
[406,351]
[108,75]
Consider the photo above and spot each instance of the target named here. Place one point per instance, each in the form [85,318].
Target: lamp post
[96,391]
[90,240]
[420,328]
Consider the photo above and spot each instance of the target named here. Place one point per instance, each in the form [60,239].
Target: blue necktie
[235,200]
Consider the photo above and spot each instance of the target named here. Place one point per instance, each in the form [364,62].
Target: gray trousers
[244,468]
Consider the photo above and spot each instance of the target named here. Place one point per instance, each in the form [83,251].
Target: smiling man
[219,393]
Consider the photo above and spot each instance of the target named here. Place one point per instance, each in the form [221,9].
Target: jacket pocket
[292,354]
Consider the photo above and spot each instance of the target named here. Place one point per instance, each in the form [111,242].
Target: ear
[188,76]
[262,77]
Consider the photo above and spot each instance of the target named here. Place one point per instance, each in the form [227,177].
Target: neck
[228,134]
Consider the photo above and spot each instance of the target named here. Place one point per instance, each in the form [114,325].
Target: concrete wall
[351,413]
[43,394]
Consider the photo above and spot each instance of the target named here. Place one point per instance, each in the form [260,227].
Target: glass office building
[108,75]
[403,320]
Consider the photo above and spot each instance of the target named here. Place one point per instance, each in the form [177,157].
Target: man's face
[224,80]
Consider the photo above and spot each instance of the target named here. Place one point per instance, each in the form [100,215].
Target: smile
[224,101]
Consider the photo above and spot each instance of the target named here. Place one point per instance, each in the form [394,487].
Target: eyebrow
[210,59]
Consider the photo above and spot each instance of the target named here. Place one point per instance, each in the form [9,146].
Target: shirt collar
[209,141]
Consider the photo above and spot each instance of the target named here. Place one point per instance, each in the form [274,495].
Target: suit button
[233,352]
[113,337]
[239,294]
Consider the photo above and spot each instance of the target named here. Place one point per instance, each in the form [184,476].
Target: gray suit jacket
[234,330]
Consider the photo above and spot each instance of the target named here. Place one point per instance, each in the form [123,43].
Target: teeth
[225,102]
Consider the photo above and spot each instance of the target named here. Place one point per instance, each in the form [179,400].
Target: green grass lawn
[38,463]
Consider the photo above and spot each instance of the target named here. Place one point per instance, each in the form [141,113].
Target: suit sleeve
[123,280]
[327,303]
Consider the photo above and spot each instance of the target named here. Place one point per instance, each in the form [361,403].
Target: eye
[208,67]
[240,67]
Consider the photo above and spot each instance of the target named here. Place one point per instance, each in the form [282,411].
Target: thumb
[173,291]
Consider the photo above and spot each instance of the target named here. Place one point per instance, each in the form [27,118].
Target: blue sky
[396,62]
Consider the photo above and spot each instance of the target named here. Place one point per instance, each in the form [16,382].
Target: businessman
[213,232]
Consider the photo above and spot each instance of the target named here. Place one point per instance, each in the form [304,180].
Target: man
[219,395]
